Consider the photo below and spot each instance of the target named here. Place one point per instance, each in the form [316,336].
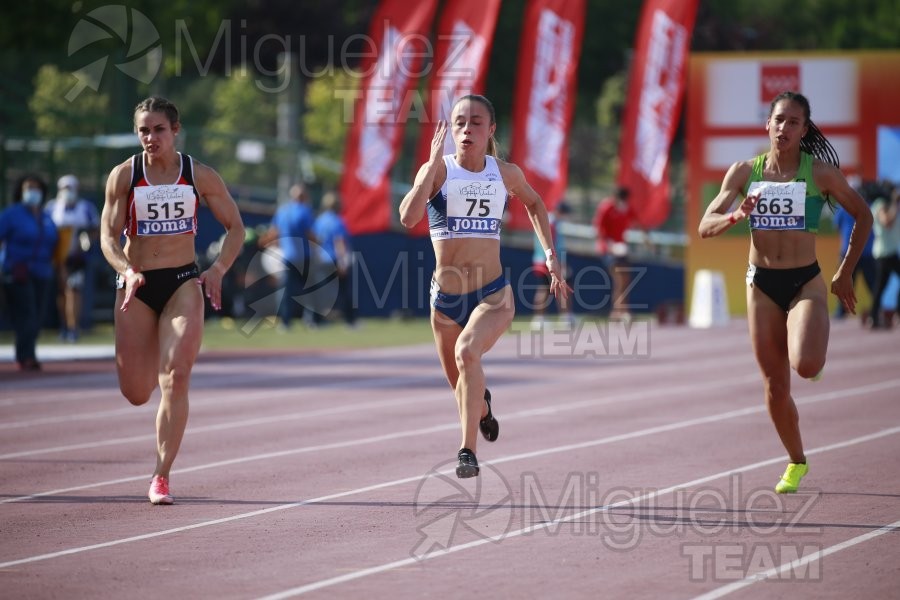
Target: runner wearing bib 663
[152,199]
[784,191]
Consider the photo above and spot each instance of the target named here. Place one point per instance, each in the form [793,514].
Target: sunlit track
[306,474]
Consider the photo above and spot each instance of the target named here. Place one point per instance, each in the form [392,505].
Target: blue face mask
[32,197]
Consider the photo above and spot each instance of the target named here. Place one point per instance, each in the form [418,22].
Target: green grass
[225,334]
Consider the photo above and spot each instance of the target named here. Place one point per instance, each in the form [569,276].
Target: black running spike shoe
[489,426]
[467,465]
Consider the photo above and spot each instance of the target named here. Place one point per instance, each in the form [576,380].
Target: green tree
[55,116]
[240,110]
[329,112]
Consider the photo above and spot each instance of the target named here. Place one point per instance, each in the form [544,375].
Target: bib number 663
[774,206]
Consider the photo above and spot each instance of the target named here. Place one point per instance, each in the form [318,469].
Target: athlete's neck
[783,162]
[474,163]
[162,161]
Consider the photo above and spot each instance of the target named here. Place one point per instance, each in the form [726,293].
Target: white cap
[67,181]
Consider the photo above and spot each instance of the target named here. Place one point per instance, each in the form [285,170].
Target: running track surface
[330,475]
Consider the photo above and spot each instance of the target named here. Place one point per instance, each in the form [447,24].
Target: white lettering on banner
[386,88]
[164,209]
[659,94]
[458,72]
[545,129]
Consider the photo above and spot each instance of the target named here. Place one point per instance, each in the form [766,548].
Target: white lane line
[528,413]
[262,371]
[795,564]
[333,581]
[825,396]
[330,497]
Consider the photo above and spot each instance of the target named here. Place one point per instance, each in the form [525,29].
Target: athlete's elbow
[407,220]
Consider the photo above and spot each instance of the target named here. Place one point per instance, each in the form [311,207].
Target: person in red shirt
[613,218]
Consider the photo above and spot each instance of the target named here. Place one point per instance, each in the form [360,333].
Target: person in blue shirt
[292,227]
[844,223]
[28,239]
[335,255]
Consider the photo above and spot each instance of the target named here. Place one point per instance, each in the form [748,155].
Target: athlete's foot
[159,491]
[790,481]
[467,465]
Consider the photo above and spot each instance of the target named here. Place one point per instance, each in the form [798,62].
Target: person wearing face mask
[28,239]
[78,223]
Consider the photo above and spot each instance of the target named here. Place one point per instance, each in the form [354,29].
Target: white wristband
[129,272]
[549,252]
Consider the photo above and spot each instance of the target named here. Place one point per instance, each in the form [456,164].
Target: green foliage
[329,112]
[55,116]
[240,109]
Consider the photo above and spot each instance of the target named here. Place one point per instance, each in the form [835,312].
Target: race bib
[474,206]
[165,209]
[781,206]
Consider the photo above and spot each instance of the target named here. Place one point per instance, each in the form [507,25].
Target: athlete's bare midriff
[467,264]
[782,249]
[149,252]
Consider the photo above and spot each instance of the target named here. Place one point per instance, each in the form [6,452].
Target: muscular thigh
[181,326]
[137,342]
[489,320]
[768,333]
[808,324]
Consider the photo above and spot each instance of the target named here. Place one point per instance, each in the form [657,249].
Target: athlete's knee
[466,356]
[137,395]
[176,376]
[809,367]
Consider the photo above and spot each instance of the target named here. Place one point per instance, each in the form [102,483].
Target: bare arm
[517,186]
[112,223]
[430,177]
[213,191]
[717,219]
[831,181]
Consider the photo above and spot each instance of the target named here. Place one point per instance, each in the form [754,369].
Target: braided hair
[814,142]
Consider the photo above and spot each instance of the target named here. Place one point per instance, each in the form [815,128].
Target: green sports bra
[795,205]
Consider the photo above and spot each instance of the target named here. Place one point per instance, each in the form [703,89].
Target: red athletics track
[330,475]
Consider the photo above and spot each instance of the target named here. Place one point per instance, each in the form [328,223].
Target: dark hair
[158,104]
[814,142]
[622,192]
[493,148]
[17,191]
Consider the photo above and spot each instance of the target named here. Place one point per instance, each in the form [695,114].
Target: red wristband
[731,218]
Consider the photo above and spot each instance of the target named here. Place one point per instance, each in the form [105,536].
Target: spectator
[335,255]
[866,265]
[292,227]
[78,223]
[28,238]
[614,216]
[886,226]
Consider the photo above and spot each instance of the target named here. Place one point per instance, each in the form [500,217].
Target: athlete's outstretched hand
[133,280]
[558,286]
[437,142]
[211,280]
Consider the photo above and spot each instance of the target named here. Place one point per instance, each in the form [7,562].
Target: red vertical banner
[464,38]
[391,64]
[652,108]
[549,50]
